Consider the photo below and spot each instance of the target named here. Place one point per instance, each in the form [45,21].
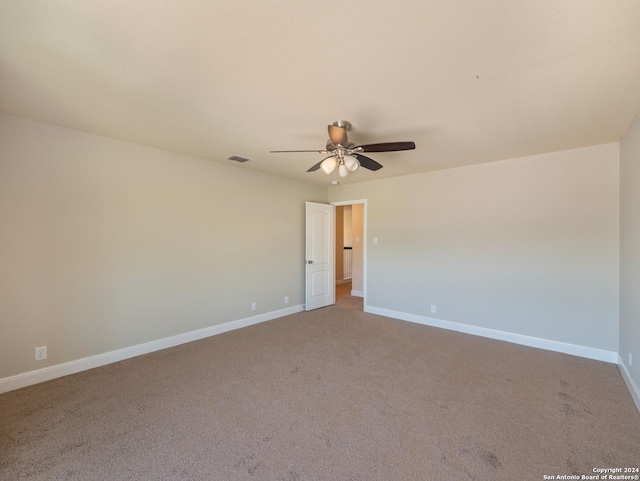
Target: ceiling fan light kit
[345,164]
[347,157]
[328,165]
[351,163]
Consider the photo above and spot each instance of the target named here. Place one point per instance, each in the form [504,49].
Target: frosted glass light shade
[328,165]
[351,163]
[342,170]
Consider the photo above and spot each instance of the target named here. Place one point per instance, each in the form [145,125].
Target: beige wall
[339,243]
[348,231]
[357,241]
[106,244]
[527,246]
[630,249]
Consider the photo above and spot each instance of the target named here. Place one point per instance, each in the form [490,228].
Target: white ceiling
[469,81]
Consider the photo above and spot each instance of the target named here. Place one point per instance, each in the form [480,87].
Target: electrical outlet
[253,306]
[434,309]
[286,299]
[630,359]
[41,353]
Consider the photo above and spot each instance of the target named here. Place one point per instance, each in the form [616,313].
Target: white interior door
[320,275]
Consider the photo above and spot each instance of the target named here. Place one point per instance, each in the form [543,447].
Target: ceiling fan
[347,156]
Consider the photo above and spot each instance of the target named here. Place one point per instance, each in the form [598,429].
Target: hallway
[345,299]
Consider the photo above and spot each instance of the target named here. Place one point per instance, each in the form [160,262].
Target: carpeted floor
[333,394]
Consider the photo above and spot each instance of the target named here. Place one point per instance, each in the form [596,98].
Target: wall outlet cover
[41,353]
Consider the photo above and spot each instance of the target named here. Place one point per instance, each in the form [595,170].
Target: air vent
[237,158]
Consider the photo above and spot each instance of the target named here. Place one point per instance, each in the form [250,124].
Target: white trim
[357,293]
[549,345]
[631,385]
[52,372]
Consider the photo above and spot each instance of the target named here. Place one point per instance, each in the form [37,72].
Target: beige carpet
[334,394]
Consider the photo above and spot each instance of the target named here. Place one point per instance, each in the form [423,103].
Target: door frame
[364,244]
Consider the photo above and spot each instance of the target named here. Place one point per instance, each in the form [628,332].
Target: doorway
[351,252]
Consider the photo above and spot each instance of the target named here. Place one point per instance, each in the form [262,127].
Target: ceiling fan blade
[338,135]
[316,167]
[290,151]
[388,147]
[367,163]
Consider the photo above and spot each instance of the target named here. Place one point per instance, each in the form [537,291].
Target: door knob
[309,262]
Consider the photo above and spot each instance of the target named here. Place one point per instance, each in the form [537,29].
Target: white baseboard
[52,372]
[573,349]
[631,385]
[344,281]
[357,293]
